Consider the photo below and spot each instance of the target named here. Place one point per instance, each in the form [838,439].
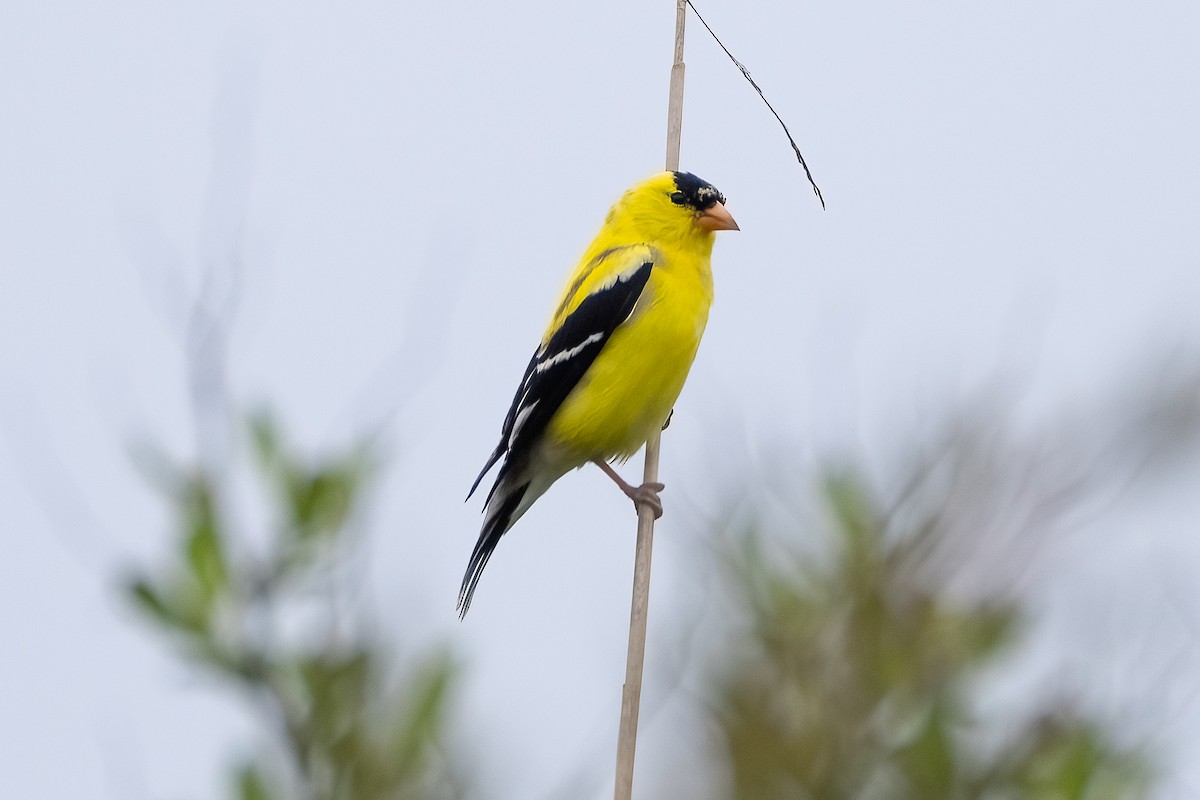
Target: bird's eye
[679,198]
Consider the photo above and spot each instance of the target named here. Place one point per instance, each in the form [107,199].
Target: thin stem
[675,101]
[631,695]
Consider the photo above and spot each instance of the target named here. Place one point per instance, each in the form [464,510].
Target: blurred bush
[342,720]
[864,636]
[855,675]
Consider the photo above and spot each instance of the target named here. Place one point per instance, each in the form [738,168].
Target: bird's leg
[646,494]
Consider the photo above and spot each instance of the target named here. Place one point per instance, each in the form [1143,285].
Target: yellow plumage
[616,353]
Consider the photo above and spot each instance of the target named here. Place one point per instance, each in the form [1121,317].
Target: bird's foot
[646,494]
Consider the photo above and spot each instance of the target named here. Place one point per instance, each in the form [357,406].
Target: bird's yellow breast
[635,380]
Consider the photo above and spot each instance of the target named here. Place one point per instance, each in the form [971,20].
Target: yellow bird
[615,357]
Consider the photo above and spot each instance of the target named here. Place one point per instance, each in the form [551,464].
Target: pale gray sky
[1012,188]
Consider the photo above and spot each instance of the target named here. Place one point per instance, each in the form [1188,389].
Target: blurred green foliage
[856,673]
[355,725]
[856,678]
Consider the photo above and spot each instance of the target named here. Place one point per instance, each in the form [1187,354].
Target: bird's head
[674,206]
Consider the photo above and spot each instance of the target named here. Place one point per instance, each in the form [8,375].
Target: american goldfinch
[615,356]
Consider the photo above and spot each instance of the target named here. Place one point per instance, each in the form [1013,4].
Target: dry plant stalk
[631,694]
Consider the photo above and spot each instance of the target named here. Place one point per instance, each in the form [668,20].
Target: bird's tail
[511,496]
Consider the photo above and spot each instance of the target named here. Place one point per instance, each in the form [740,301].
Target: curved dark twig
[746,72]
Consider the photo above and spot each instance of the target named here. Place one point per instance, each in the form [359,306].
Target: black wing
[557,366]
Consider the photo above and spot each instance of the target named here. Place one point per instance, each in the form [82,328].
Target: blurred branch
[855,675]
[862,631]
[352,730]
[240,600]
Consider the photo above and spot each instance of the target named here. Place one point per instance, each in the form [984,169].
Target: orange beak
[717,219]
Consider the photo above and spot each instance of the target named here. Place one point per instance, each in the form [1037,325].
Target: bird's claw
[646,495]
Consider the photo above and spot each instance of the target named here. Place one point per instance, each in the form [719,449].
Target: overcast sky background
[1013,190]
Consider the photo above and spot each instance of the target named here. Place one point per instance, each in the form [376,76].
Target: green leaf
[337,686]
[322,500]
[147,598]
[178,608]
[850,502]
[426,707]
[266,441]
[930,759]
[204,550]
[250,784]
